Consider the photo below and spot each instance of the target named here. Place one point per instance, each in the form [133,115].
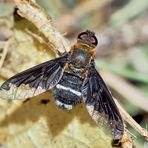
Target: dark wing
[35,80]
[100,104]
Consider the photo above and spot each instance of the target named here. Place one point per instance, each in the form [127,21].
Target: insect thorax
[80,58]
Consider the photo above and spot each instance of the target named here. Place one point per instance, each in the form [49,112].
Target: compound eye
[88,37]
[82,36]
[94,40]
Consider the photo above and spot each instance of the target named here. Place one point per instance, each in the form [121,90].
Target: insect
[73,78]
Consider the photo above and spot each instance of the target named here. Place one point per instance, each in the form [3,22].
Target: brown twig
[131,121]
[35,14]
[130,93]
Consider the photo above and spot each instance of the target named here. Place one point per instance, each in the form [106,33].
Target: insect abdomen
[67,92]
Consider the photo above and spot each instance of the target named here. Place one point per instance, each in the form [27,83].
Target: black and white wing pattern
[100,104]
[35,80]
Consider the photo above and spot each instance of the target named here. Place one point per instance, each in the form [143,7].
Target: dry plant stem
[37,37]
[35,14]
[131,121]
[123,87]
[126,90]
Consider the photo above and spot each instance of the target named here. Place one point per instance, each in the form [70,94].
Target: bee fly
[72,77]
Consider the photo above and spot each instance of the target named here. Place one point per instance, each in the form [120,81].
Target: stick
[35,14]
[131,121]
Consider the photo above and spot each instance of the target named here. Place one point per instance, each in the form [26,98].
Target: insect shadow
[37,107]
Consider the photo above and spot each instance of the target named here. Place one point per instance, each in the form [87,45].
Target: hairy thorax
[79,61]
